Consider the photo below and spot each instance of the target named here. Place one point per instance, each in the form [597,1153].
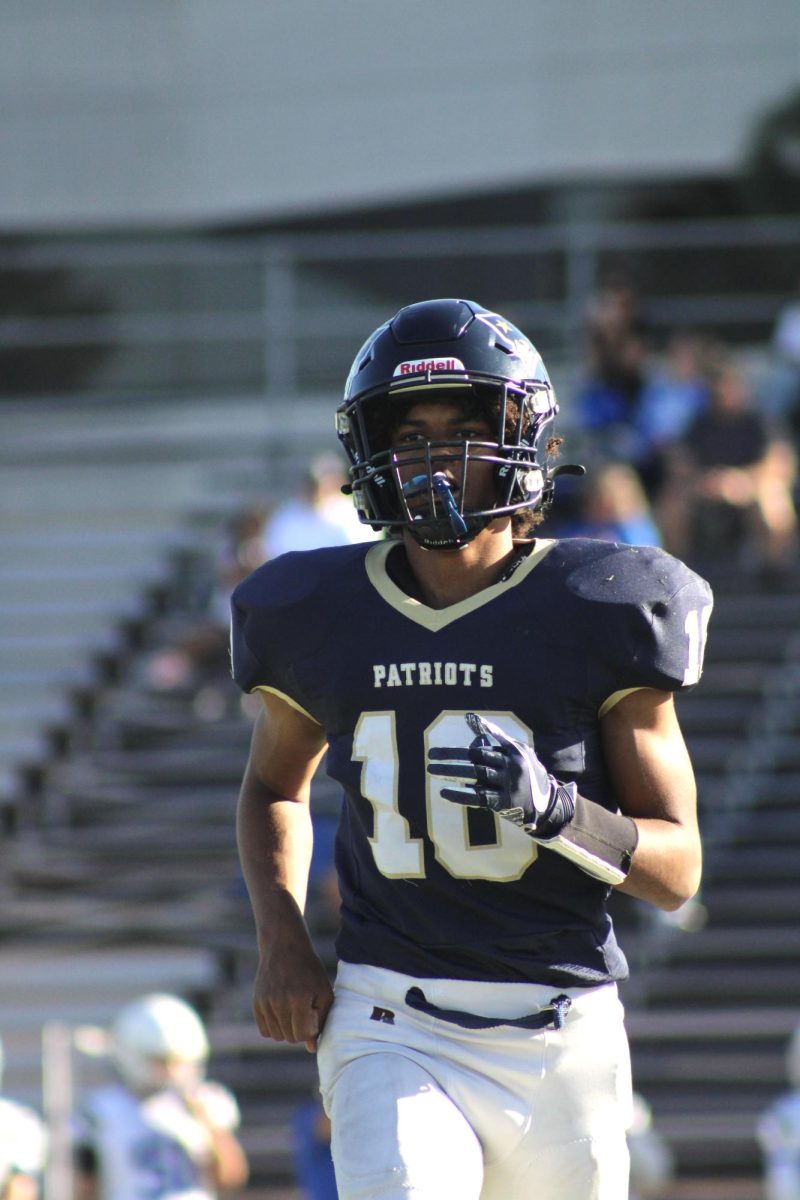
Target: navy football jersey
[431,888]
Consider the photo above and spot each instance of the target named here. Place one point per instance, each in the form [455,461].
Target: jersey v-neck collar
[434,619]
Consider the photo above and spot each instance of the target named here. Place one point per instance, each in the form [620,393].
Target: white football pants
[423,1109]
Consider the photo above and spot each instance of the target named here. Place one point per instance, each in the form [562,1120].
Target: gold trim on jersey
[262,687]
[435,619]
[615,698]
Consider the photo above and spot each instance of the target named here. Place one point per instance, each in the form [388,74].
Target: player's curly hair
[525,520]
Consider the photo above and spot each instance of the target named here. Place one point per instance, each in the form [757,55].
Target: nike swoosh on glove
[497,772]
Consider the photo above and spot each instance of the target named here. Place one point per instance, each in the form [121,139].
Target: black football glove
[502,774]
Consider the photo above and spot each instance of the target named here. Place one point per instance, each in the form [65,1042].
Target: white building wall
[145,112]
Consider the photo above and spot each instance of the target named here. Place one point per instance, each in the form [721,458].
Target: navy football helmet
[446,350]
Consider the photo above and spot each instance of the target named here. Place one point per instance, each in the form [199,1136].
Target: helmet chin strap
[428,539]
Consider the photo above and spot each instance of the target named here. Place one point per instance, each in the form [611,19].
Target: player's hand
[497,772]
[292,993]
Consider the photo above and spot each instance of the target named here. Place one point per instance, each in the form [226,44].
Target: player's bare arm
[654,783]
[229,1167]
[653,786]
[292,991]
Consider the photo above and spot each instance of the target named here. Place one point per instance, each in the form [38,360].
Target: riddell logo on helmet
[421,366]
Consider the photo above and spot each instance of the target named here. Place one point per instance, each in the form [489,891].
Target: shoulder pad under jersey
[649,611]
[281,606]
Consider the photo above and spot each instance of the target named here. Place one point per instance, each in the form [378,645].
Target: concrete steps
[96,501]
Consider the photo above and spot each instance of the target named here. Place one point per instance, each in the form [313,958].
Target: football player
[162,1130]
[498,709]
[23,1148]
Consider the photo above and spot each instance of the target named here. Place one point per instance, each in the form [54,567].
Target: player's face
[183,1074]
[445,426]
[176,1072]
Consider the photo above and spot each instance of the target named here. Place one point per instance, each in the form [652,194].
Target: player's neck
[445,577]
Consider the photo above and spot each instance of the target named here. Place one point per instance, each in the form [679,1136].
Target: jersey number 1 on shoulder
[398,853]
[695,627]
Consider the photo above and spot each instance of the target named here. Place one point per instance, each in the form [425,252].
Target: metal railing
[284,313]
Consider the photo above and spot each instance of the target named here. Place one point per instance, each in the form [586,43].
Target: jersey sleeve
[282,616]
[250,658]
[667,623]
[649,629]
[674,637]
[262,626]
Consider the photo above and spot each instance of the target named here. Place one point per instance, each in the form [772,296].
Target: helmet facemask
[425,486]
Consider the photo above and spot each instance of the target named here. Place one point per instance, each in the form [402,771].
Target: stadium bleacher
[119,854]
[118,868]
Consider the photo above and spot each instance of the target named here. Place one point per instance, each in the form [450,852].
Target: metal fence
[281,314]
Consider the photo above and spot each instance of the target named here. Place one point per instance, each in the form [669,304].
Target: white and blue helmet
[154,1032]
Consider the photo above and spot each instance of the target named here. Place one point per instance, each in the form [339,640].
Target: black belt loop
[554,1015]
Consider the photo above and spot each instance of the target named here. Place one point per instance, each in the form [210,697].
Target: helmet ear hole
[532,483]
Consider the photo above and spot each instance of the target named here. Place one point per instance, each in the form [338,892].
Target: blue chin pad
[442,488]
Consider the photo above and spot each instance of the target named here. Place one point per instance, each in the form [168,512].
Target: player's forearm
[652,777]
[274,837]
[667,865]
[231,1169]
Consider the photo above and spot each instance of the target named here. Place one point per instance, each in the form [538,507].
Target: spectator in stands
[242,553]
[195,663]
[615,508]
[677,390]
[23,1147]
[730,482]
[319,515]
[785,380]
[778,1133]
[617,354]
[160,1130]
[673,395]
